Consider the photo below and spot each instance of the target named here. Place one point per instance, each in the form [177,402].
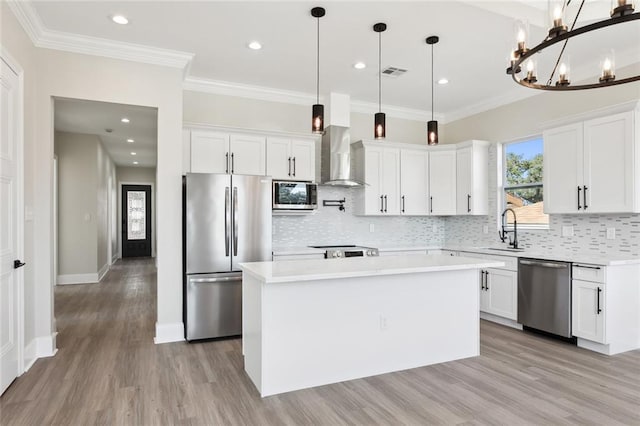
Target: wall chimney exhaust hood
[336,144]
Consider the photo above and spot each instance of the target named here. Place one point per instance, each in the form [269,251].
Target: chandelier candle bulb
[531,72]
[521,32]
[556,10]
[563,75]
[623,8]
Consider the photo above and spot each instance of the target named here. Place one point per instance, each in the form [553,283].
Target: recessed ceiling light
[133,153]
[119,19]
[443,81]
[135,162]
[130,140]
[255,45]
[125,120]
[359,65]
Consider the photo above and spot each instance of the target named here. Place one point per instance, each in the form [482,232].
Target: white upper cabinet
[303,153]
[379,167]
[218,152]
[593,166]
[442,181]
[291,159]
[209,152]
[279,158]
[472,178]
[414,182]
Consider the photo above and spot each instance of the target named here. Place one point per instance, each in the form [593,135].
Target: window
[523,168]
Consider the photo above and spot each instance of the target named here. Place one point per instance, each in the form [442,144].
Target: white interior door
[9,235]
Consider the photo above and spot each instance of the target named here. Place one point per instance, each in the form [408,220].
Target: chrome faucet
[505,233]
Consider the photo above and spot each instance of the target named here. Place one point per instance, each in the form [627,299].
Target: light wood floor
[108,371]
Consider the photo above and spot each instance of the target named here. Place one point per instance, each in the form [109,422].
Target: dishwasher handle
[544,264]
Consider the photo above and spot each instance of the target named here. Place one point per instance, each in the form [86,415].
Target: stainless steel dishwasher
[544,295]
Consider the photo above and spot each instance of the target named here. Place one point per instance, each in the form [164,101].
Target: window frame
[502,187]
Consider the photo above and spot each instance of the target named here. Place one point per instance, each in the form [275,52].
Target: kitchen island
[315,322]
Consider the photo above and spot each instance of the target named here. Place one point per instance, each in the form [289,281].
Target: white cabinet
[291,159]
[414,182]
[500,293]
[472,178]
[442,181]
[218,152]
[587,315]
[592,166]
[379,167]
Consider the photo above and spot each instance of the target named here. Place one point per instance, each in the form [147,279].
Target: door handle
[18,264]
[587,267]
[579,206]
[481,280]
[294,166]
[403,204]
[430,204]
[235,220]
[584,197]
[385,204]
[226,156]
[215,280]
[468,203]
[486,280]
[232,163]
[381,204]
[598,310]
[289,167]
[227,221]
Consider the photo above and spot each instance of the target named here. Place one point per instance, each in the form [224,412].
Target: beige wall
[106,179]
[15,42]
[222,110]
[77,206]
[529,116]
[145,175]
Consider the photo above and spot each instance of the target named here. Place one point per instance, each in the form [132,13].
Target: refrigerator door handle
[227,221]
[235,220]
[215,280]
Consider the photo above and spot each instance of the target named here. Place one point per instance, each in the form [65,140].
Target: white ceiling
[89,117]
[475,38]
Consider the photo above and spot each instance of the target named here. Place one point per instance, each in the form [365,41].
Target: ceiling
[475,39]
[90,117]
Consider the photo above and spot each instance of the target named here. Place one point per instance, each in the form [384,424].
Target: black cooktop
[338,247]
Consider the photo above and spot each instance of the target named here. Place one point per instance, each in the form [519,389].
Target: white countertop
[321,269]
[590,258]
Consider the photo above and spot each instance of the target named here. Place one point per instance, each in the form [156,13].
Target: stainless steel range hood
[336,145]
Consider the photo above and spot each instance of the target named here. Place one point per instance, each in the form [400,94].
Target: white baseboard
[115,258]
[167,333]
[77,279]
[500,320]
[40,347]
[102,272]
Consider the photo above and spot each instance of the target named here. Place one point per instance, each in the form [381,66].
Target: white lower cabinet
[587,315]
[502,293]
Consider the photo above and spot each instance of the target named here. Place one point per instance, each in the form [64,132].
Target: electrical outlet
[485,229]
[611,233]
[371,227]
[567,231]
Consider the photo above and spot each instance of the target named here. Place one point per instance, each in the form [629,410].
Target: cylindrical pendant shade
[317,120]
[432,132]
[379,129]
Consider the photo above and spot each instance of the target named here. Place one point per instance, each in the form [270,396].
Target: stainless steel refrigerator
[227,221]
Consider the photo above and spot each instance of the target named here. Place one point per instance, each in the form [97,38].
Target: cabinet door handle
[232,163]
[468,203]
[385,204]
[579,206]
[289,173]
[598,310]
[584,195]
[226,156]
[430,204]
[481,279]
[486,280]
[294,166]
[381,204]
[403,204]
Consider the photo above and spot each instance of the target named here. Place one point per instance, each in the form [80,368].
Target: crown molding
[512,96]
[49,39]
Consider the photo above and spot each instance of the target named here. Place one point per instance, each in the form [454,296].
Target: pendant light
[379,126]
[432,126]
[317,112]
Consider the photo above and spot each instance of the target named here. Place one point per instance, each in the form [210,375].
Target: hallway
[108,371]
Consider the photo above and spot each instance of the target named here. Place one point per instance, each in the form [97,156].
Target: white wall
[77,204]
[106,176]
[136,175]
[37,312]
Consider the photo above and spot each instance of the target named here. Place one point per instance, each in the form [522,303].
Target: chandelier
[522,57]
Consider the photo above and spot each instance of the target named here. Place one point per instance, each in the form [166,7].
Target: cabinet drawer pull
[587,267]
[486,280]
[598,310]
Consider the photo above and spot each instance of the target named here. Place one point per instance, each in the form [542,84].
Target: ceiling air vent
[393,72]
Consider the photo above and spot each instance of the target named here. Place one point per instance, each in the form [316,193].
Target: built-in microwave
[289,195]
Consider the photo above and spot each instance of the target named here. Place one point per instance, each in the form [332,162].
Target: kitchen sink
[505,249]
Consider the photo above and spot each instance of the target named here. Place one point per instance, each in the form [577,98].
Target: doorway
[136,221]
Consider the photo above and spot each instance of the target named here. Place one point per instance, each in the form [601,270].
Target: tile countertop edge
[253,269]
